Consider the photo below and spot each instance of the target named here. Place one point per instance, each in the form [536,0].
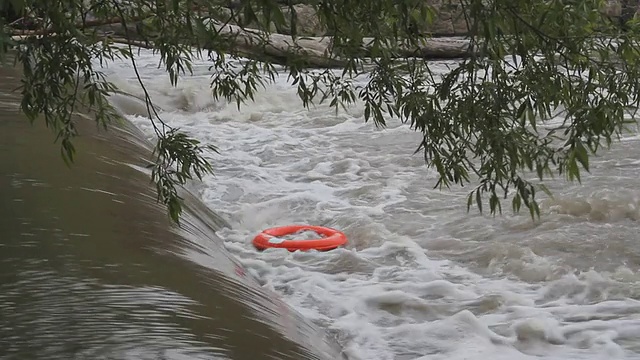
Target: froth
[420,278]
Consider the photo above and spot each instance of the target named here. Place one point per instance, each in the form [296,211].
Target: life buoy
[331,240]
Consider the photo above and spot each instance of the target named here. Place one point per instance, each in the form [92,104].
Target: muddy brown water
[92,268]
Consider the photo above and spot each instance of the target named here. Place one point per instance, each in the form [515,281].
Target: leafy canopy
[486,121]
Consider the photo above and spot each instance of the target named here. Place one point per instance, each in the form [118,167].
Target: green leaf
[581,155]
[478,118]
[469,201]
[546,190]
[516,203]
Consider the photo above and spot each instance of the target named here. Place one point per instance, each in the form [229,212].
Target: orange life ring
[331,240]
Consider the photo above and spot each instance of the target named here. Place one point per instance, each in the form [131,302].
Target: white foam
[420,278]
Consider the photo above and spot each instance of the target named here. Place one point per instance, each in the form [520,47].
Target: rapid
[421,278]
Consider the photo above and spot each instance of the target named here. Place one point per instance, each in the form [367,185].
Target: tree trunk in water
[317,51]
[283,49]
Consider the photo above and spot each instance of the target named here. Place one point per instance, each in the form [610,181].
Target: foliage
[549,83]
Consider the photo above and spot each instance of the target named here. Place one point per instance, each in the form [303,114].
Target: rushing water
[421,278]
[90,267]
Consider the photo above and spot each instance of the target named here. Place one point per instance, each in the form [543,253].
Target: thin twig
[151,110]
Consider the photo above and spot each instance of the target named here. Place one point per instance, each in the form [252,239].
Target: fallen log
[284,49]
[317,51]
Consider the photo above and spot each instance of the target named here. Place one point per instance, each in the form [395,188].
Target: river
[91,268]
[420,278]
